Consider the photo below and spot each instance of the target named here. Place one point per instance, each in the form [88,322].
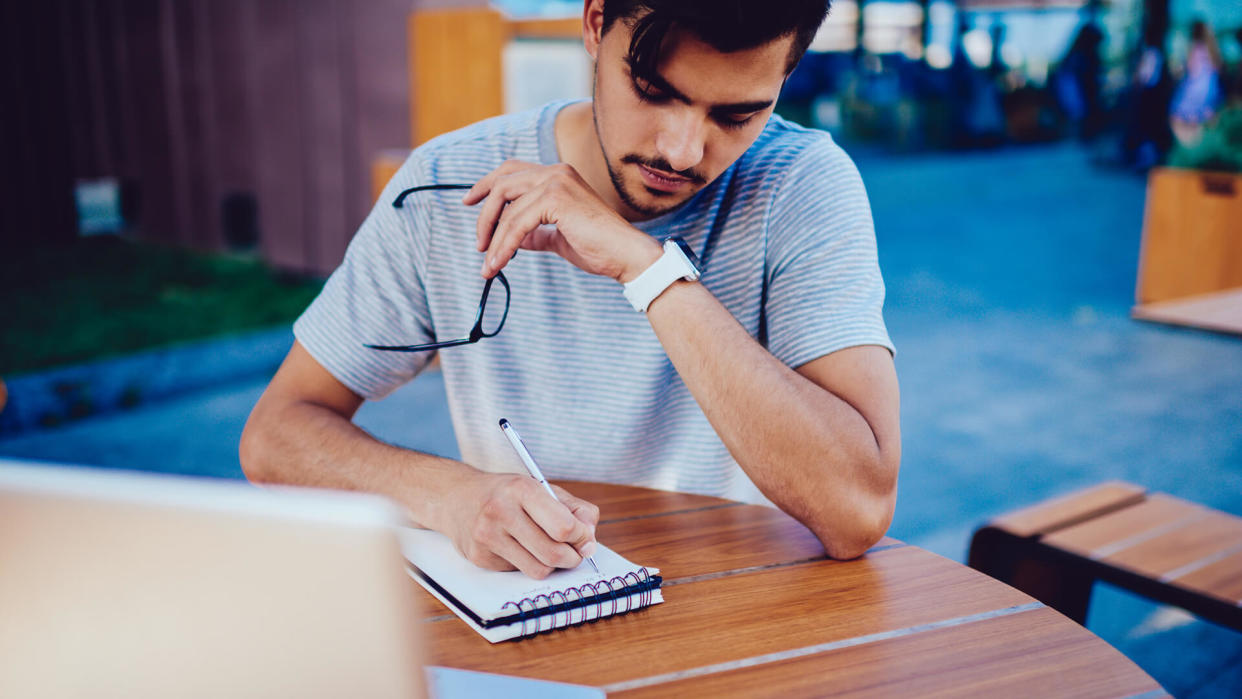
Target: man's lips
[662,181]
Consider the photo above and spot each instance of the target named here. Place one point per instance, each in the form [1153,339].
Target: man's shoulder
[784,142]
[490,140]
[789,160]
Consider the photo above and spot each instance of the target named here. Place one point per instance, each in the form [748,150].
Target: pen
[533,468]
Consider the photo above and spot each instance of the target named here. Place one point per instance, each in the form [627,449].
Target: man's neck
[578,146]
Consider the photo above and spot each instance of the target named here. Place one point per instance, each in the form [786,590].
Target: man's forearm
[302,443]
[300,433]
[808,450]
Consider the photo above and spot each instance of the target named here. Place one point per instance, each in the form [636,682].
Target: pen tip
[503,422]
[591,559]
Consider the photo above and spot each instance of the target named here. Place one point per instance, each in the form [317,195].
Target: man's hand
[551,208]
[503,521]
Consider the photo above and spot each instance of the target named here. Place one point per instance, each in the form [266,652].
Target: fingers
[583,510]
[484,558]
[494,197]
[481,188]
[519,525]
[516,199]
[504,553]
[547,551]
[516,553]
[513,208]
[493,206]
[558,522]
[491,543]
[561,523]
[519,218]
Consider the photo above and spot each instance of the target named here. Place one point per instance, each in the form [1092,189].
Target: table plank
[713,540]
[1033,653]
[701,542]
[698,540]
[624,502]
[1070,509]
[688,535]
[750,614]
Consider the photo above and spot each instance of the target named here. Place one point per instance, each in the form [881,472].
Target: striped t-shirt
[786,243]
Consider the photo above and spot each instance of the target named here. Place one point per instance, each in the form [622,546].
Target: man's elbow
[847,540]
[850,533]
[252,448]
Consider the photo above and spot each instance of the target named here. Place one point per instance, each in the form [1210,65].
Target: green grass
[105,296]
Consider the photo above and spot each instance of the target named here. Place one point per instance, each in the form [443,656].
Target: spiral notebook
[502,606]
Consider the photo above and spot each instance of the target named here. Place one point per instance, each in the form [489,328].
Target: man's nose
[680,140]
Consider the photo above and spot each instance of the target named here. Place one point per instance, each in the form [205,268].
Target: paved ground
[1010,275]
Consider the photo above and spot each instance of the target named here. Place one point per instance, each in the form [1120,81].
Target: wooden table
[753,608]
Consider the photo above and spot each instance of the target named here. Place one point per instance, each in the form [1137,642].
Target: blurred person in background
[1198,95]
[977,117]
[1076,83]
[1235,75]
[1146,136]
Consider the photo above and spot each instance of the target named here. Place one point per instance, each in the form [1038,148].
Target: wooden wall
[456,63]
[1192,235]
[192,100]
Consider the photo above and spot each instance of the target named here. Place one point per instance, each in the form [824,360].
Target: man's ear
[592,26]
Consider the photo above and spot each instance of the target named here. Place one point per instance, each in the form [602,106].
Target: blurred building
[215,118]
[210,123]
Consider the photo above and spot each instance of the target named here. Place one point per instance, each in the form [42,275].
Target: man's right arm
[300,433]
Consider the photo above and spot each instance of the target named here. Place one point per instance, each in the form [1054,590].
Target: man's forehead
[696,71]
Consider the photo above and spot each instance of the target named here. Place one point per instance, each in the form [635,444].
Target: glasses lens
[495,308]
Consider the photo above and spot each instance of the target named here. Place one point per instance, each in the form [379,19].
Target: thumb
[587,514]
[585,511]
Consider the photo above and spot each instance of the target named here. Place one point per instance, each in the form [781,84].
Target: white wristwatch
[677,262]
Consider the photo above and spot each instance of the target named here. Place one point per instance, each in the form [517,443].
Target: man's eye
[732,121]
[647,92]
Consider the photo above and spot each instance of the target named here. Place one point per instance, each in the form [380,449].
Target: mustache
[662,165]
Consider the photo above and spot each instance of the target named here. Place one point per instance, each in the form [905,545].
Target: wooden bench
[1164,548]
[1190,262]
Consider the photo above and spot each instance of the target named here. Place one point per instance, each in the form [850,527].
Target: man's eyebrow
[659,82]
[742,107]
[666,87]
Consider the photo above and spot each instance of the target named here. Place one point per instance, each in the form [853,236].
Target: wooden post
[456,76]
[1192,235]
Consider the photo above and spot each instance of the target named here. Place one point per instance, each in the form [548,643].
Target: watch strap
[670,267]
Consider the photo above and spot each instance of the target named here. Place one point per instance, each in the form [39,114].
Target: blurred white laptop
[117,584]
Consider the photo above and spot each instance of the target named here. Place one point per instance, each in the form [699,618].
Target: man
[771,375]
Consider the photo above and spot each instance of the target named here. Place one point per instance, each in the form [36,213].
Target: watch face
[689,253]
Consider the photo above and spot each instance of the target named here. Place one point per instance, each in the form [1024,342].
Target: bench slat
[1183,546]
[1098,537]
[1071,509]
[1222,579]
[1167,549]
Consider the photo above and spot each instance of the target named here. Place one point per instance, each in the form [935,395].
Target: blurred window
[539,8]
[838,33]
[893,27]
[538,71]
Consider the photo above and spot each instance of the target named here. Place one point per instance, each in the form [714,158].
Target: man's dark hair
[726,25]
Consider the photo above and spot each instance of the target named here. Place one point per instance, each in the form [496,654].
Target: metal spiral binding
[588,597]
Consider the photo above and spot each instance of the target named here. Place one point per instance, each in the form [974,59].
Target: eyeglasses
[485,324]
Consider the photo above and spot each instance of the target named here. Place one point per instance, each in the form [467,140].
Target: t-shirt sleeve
[825,292]
[377,296]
